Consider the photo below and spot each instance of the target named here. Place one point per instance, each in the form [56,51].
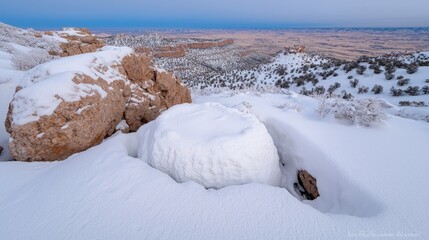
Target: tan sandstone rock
[309,185]
[73,127]
[136,93]
[153,91]
[79,41]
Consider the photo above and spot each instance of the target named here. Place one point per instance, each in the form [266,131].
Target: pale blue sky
[215,14]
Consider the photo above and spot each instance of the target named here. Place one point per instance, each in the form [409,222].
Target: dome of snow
[210,144]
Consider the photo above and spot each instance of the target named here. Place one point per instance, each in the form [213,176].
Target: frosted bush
[25,61]
[364,112]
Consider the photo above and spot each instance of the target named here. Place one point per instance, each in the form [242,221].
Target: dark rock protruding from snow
[307,185]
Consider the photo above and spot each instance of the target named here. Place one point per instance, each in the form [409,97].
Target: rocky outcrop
[211,44]
[73,127]
[79,41]
[129,92]
[181,49]
[295,49]
[307,185]
[171,51]
[153,91]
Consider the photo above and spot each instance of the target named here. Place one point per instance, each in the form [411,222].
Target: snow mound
[48,84]
[212,145]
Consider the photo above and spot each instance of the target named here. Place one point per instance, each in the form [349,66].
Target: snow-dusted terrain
[370,165]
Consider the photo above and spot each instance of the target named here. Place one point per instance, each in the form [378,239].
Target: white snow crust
[211,145]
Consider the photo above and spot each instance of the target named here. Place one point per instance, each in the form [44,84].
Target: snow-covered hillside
[400,79]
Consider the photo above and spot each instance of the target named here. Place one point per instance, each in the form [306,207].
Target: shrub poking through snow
[412,68]
[25,61]
[377,89]
[363,89]
[364,112]
[334,87]
[354,83]
[396,92]
[389,76]
[403,82]
[412,104]
[361,69]
[413,91]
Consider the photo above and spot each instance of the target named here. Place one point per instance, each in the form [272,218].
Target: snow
[9,78]
[49,84]
[211,145]
[371,183]
[70,31]
[122,125]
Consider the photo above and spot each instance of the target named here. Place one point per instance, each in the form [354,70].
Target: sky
[48,14]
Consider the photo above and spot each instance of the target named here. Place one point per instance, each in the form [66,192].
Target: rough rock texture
[73,127]
[80,42]
[139,95]
[210,44]
[153,91]
[180,50]
[308,184]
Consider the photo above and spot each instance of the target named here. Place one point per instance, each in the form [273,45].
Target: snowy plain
[372,182]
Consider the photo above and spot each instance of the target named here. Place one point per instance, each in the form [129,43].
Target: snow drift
[211,145]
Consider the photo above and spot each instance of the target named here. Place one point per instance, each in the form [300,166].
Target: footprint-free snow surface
[210,144]
[372,184]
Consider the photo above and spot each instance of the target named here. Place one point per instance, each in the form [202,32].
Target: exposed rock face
[129,92]
[152,92]
[210,44]
[171,51]
[73,127]
[307,185]
[180,50]
[79,41]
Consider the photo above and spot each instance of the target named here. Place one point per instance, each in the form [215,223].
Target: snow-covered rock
[212,145]
[72,103]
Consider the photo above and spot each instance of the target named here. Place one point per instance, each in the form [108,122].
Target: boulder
[79,40]
[71,104]
[72,127]
[307,185]
[153,91]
